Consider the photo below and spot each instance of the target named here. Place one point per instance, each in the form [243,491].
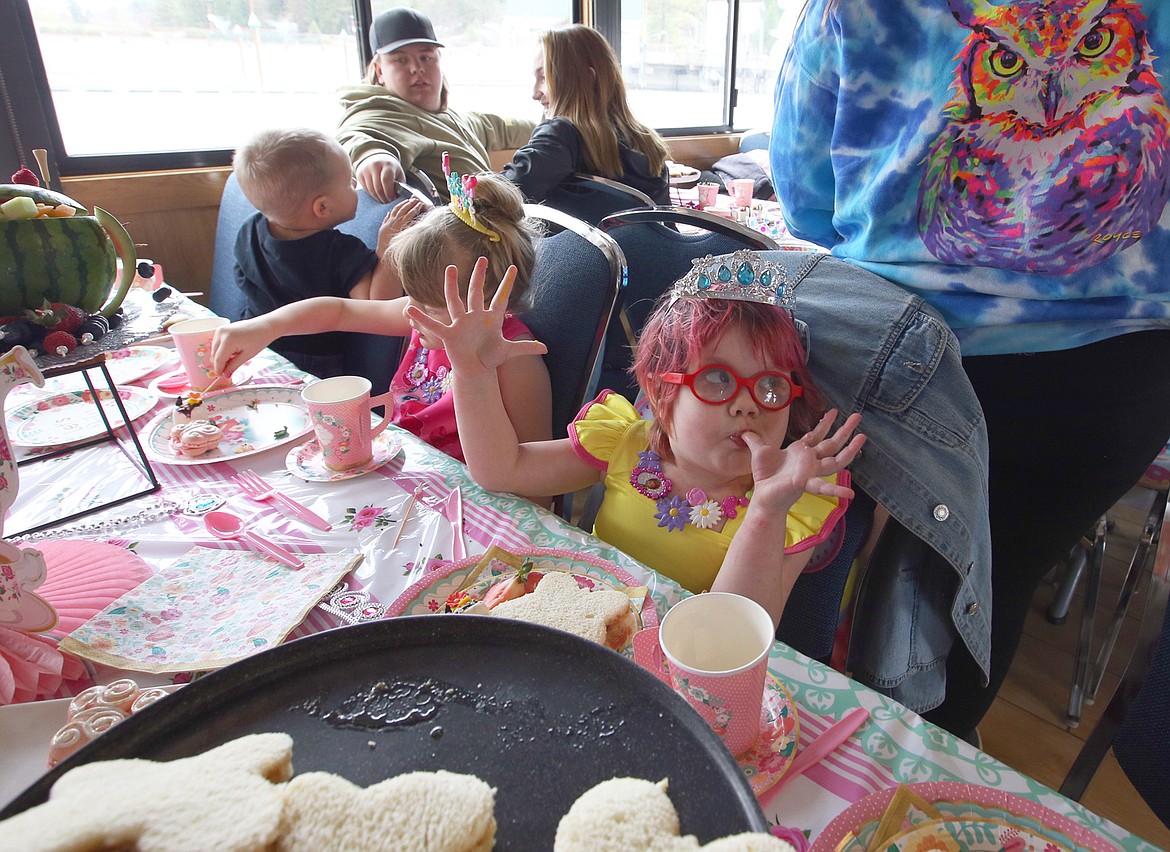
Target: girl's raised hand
[474,339]
[781,475]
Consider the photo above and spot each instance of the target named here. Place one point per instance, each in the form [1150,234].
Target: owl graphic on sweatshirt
[1053,151]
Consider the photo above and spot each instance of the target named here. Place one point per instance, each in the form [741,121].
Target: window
[675,60]
[122,85]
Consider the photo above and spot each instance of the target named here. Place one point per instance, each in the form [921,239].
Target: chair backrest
[812,615]
[590,198]
[369,355]
[577,283]
[224,297]
[419,184]
[658,255]
[1133,722]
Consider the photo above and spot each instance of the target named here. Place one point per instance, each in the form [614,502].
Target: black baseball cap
[399,27]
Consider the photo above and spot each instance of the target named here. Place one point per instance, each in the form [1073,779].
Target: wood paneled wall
[171,215]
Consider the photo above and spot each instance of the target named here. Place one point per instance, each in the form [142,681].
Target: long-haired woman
[588,126]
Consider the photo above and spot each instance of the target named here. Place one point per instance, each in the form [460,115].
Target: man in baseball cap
[399,27]
[399,118]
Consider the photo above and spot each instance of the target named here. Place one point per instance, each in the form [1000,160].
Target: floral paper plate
[137,362]
[124,365]
[477,573]
[853,829]
[772,754]
[307,462]
[253,419]
[971,836]
[66,418]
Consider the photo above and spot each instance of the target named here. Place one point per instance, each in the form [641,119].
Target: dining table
[408,515]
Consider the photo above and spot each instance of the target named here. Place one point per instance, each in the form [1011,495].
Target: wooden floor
[1026,726]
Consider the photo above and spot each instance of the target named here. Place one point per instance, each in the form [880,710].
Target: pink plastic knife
[455,516]
[818,750]
[303,513]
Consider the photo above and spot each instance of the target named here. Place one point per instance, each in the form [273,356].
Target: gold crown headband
[742,275]
[463,199]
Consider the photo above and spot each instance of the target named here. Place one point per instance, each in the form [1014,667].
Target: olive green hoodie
[377,122]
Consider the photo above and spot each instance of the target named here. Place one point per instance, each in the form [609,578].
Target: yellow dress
[609,434]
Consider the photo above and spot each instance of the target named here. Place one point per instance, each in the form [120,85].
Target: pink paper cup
[193,342]
[339,409]
[708,194]
[741,191]
[715,648]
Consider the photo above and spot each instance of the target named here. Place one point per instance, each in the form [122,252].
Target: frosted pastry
[195,438]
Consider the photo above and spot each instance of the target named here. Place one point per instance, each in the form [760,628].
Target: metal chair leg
[1066,588]
[1149,538]
[1085,643]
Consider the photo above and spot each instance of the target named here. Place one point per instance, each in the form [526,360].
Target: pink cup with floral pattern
[193,343]
[339,409]
[713,650]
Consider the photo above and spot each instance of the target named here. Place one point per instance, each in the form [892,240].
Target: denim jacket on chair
[882,351]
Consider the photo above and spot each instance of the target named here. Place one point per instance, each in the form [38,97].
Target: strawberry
[25,176]
[505,590]
[60,342]
[69,318]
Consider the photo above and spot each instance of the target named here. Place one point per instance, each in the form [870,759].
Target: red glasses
[716,385]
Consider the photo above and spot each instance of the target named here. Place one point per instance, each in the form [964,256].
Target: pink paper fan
[84,577]
[31,667]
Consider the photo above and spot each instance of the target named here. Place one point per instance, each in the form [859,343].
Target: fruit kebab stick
[43,163]
[406,514]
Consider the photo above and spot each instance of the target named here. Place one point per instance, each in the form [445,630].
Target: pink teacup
[193,342]
[708,194]
[715,649]
[339,409]
[741,191]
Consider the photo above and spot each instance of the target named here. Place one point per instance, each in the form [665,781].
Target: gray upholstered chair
[590,198]
[659,254]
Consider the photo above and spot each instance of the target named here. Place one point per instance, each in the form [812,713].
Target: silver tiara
[742,275]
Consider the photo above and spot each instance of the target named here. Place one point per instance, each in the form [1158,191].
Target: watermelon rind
[39,194]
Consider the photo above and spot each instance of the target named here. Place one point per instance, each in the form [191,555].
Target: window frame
[27,90]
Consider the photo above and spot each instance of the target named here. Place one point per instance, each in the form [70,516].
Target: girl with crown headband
[739,455]
[484,219]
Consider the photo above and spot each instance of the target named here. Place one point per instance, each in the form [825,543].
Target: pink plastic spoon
[225,525]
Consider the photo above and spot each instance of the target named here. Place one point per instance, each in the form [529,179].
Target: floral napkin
[211,608]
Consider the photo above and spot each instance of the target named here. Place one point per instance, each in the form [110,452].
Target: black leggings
[1070,433]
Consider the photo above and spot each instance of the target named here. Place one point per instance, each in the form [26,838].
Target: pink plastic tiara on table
[463,199]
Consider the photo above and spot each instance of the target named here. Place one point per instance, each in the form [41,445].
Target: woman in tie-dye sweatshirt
[1010,163]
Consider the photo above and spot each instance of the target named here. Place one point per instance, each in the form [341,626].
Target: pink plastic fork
[257,489]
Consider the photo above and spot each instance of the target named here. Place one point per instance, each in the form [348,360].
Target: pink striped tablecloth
[369,515]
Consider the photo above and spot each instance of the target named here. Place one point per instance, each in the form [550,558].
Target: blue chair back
[224,297]
[369,355]
[812,614]
[577,282]
[658,255]
[591,198]
[1141,745]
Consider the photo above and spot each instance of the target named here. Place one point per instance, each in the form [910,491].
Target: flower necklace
[674,512]
[429,384]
